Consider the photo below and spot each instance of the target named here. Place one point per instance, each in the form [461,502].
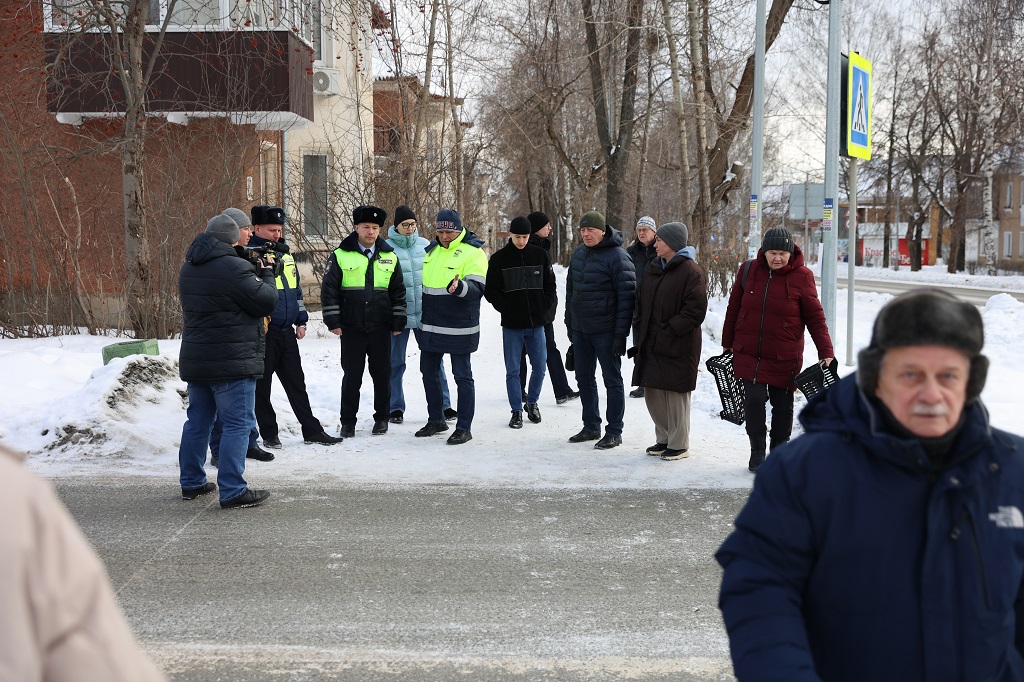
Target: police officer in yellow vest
[364,303]
[286,327]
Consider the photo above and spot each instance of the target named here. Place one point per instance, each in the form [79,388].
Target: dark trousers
[755,397]
[556,368]
[462,370]
[592,350]
[358,347]
[283,358]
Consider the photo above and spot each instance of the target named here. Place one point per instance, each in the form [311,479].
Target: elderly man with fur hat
[887,543]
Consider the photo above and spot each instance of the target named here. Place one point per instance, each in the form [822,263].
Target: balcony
[247,60]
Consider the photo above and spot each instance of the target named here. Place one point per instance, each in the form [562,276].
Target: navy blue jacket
[855,560]
[291,309]
[223,303]
[600,289]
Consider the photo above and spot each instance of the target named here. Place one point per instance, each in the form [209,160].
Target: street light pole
[757,134]
[830,207]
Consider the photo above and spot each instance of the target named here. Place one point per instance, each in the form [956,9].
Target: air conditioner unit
[326,82]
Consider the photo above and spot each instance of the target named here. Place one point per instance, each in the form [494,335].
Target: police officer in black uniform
[286,327]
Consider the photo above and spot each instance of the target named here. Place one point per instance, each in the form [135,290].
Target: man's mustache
[922,410]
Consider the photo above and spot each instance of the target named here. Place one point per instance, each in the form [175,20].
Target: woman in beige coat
[59,619]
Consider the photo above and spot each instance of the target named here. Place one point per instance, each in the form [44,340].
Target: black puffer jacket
[521,286]
[600,289]
[223,303]
[641,255]
[545,243]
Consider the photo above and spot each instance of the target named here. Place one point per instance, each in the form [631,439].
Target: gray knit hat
[224,228]
[240,217]
[925,317]
[673,234]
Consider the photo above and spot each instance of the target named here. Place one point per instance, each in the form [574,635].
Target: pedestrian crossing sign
[858,107]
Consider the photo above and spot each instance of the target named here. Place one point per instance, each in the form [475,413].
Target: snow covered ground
[78,418]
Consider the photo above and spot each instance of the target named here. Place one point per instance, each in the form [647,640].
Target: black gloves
[619,346]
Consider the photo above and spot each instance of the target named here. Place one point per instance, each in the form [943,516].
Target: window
[1007,245]
[1009,196]
[196,13]
[269,165]
[1020,250]
[314,195]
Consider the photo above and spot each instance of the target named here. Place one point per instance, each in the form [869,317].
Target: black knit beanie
[777,239]
[537,221]
[403,213]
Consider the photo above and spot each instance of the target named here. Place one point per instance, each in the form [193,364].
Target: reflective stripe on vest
[353,268]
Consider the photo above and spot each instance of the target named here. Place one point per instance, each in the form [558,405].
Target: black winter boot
[756,452]
[756,460]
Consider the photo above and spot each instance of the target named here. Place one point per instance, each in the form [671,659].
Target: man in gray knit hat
[887,542]
[224,297]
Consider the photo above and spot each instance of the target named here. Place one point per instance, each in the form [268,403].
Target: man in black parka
[224,298]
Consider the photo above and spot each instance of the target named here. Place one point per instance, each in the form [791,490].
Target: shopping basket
[816,378]
[730,390]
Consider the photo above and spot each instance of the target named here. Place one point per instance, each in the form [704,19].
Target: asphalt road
[424,584]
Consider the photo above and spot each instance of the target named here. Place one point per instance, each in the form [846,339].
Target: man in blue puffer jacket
[411,249]
[600,291]
[887,543]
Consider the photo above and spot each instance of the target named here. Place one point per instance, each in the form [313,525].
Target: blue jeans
[513,341]
[218,428]
[234,402]
[399,346]
[591,349]
[463,371]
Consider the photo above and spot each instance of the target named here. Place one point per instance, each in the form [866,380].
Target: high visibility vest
[289,273]
[353,266]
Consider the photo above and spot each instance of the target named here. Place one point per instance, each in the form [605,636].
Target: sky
[76,417]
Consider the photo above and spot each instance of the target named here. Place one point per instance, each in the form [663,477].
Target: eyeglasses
[407,223]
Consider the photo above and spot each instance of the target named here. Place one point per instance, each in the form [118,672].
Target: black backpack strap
[746,271]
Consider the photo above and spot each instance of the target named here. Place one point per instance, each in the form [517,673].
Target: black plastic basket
[816,379]
[730,390]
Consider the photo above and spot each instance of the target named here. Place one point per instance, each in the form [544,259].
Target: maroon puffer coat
[765,321]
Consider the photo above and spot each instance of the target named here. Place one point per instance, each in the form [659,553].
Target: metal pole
[757,134]
[807,238]
[851,256]
[828,257]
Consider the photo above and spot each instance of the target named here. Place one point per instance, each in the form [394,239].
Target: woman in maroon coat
[771,303]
